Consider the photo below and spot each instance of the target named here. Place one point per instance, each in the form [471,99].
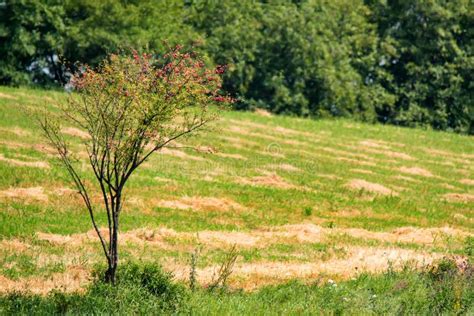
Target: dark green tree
[43,39]
[311,58]
[31,38]
[426,53]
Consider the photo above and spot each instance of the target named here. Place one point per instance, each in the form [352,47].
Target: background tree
[132,107]
[312,58]
[427,54]
[97,28]
[43,39]
[30,37]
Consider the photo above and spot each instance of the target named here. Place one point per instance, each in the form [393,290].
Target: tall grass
[446,288]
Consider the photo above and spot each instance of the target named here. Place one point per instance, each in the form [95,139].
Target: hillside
[299,199]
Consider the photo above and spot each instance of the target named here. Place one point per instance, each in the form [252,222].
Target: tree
[30,33]
[310,58]
[426,56]
[132,107]
[38,36]
[96,28]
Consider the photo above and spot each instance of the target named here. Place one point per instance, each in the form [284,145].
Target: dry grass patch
[57,239]
[202,204]
[448,186]
[328,176]
[72,131]
[405,178]
[460,217]
[390,153]
[284,167]
[239,130]
[13,245]
[16,130]
[263,112]
[459,197]
[425,236]
[467,181]
[363,171]
[269,179]
[206,149]
[75,278]
[239,142]
[373,144]
[16,162]
[50,151]
[179,154]
[363,185]
[439,153]
[416,171]
[34,193]
[7,96]
[293,132]
[251,276]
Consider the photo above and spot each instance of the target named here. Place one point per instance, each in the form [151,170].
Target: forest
[406,62]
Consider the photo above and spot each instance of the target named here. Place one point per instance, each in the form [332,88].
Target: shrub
[131,107]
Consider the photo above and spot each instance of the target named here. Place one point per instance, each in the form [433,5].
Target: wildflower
[220,99]
[220,69]
[135,55]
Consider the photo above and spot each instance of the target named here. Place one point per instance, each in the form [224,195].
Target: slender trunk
[113,261]
[113,250]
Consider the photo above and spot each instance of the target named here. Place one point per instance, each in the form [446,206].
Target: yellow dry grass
[376,188]
[417,171]
[72,280]
[250,276]
[72,131]
[16,162]
[35,193]
[459,197]
[202,203]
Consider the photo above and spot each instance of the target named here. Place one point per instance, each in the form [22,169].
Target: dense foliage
[402,62]
[427,60]
[43,39]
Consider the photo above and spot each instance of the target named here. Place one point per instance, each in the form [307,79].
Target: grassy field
[315,201]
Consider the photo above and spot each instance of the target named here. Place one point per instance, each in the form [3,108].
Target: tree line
[403,62]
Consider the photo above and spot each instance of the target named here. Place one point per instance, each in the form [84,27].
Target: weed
[469,246]
[192,270]
[225,270]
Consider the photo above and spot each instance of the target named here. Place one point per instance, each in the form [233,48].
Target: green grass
[317,158]
[144,289]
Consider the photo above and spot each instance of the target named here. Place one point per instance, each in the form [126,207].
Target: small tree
[131,107]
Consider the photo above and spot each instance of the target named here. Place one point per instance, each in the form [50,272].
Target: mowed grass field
[299,199]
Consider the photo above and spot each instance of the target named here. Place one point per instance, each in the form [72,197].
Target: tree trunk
[113,252]
[110,273]
[113,261]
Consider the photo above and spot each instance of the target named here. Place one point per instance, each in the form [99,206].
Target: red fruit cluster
[172,74]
